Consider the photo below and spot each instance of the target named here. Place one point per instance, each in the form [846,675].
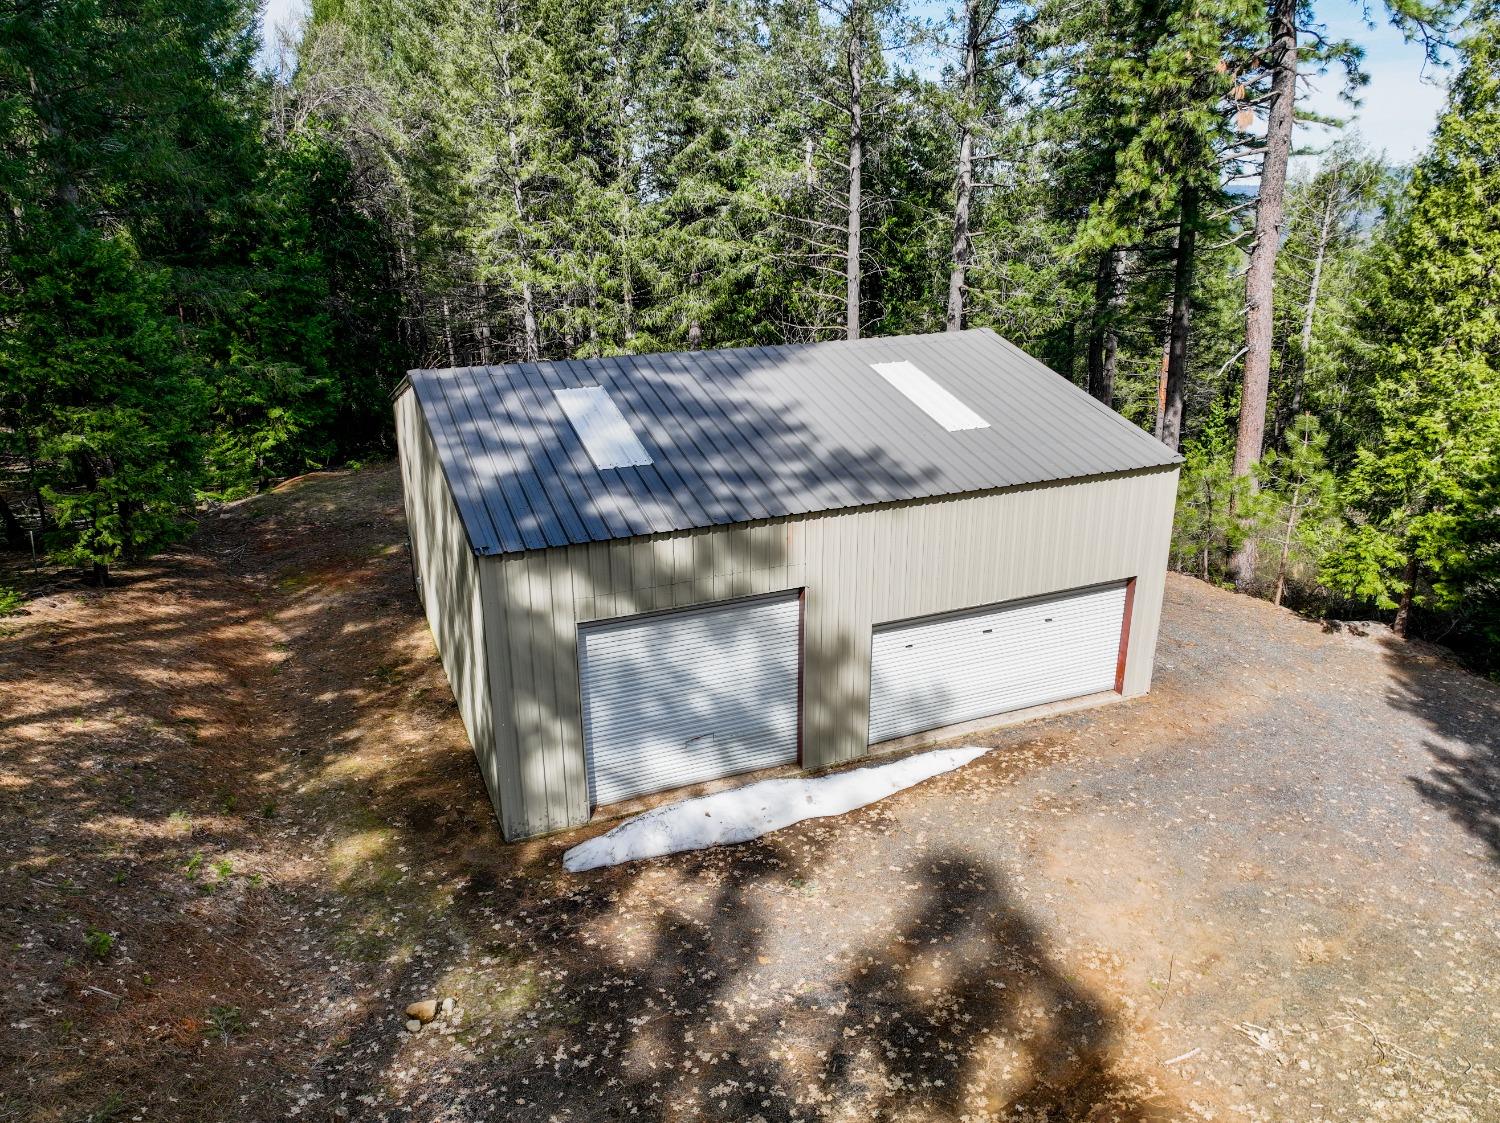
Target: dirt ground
[240,829]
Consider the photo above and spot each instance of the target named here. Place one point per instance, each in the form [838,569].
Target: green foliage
[1318,283]
[1213,505]
[98,942]
[188,301]
[1422,483]
[102,388]
[226,1021]
[211,278]
[1361,562]
[11,600]
[1299,501]
[1156,93]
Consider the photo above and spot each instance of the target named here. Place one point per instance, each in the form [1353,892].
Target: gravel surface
[1267,891]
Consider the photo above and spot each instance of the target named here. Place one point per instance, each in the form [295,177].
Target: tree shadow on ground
[729,984]
[680,988]
[133,723]
[667,990]
[1463,711]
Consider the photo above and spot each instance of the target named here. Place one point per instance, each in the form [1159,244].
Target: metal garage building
[650,571]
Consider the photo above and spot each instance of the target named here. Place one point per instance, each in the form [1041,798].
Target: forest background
[213,271]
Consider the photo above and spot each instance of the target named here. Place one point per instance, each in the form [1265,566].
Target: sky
[1400,105]
[1402,102]
[274,14]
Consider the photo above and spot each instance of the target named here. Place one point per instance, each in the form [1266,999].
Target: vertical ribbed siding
[451,594]
[859,568]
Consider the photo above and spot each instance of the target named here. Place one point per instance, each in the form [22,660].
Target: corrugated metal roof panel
[757,432]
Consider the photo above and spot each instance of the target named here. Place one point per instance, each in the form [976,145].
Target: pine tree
[1299,493]
[129,156]
[1206,530]
[98,381]
[1158,80]
[1328,216]
[1283,58]
[1425,480]
[825,71]
[701,157]
[981,91]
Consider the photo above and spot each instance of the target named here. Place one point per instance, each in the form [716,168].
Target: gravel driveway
[1266,891]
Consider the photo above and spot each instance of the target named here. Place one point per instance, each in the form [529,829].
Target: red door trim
[1124,637]
[801,671]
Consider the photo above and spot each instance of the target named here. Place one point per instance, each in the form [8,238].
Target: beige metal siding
[450,584]
[860,568]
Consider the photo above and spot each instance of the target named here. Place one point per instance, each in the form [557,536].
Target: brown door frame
[801,674]
[1124,637]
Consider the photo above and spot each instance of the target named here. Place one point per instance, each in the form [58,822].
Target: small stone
[413,1026]
[423,1011]
[447,1006]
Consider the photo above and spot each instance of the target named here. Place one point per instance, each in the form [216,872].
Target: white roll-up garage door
[683,697]
[960,666]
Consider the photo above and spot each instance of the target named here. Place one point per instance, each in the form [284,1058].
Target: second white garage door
[683,697]
[929,673]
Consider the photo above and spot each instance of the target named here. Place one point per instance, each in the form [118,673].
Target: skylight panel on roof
[929,397]
[602,427]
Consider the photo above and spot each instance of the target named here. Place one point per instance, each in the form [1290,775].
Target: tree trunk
[64,189]
[483,326]
[624,180]
[34,482]
[1402,624]
[530,345]
[695,326]
[98,571]
[1161,380]
[1311,311]
[15,533]
[856,164]
[528,323]
[1103,339]
[448,333]
[1286,547]
[1182,315]
[627,295]
[964,187]
[1260,283]
[1317,280]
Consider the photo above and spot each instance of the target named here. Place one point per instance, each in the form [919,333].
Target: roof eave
[496,551]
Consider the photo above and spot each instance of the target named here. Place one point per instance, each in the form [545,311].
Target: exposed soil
[241,829]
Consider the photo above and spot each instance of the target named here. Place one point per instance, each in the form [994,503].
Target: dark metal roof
[756,433]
